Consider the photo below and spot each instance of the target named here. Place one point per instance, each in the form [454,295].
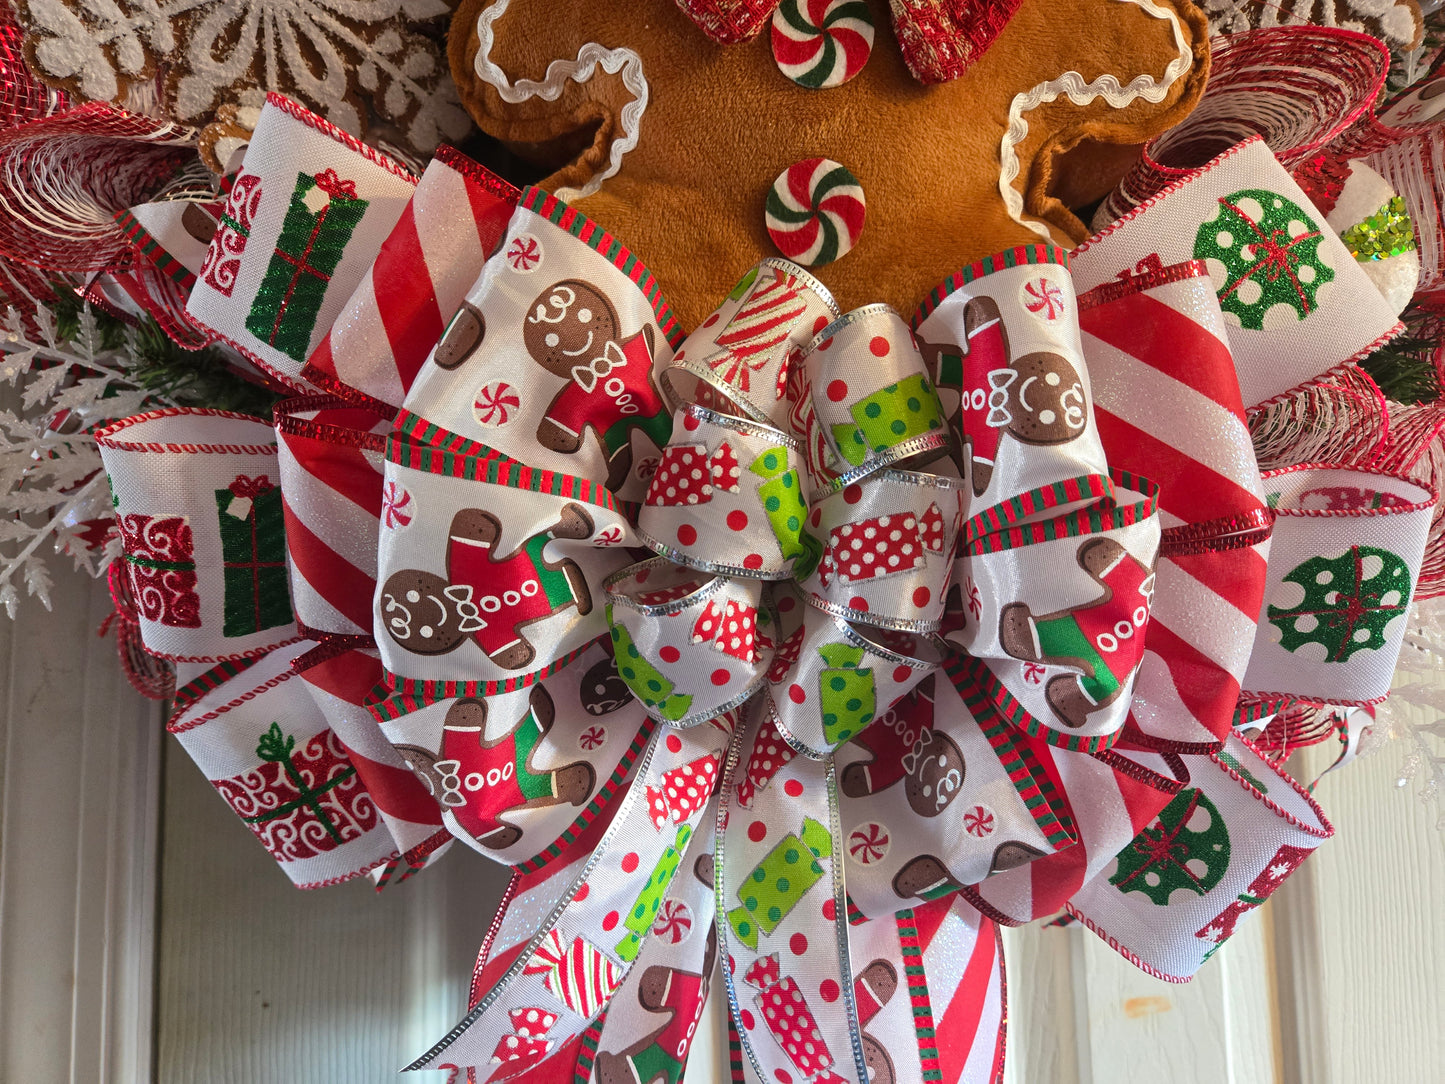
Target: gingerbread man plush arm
[932,183]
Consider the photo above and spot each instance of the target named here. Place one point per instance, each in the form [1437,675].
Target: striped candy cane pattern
[425,268]
[331,467]
[1168,406]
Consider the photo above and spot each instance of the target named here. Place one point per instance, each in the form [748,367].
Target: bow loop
[687,644]
[740,360]
[872,399]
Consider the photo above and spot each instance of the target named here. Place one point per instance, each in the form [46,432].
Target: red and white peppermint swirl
[822,43]
[524,253]
[495,404]
[868,843]
[673,922]
[394,502]
[815,212]
[979,821]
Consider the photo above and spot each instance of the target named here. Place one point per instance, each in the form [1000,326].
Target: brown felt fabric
[723,122]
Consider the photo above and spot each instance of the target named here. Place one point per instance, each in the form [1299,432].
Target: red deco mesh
[63,178]
[22,96]
[1299,87]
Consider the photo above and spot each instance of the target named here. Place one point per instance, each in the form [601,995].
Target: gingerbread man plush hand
[951,118]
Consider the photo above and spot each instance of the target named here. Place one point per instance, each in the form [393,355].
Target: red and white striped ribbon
[425,267]
[340,680]
[331,467]
[1168,406]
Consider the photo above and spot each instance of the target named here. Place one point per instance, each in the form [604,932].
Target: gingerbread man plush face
[683,174]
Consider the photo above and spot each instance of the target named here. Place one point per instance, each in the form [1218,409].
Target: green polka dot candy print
[1348,603]
[1263,254]
[645,681]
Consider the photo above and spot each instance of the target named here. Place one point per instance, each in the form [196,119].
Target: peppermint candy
[524,253]
[815,212]
[979,821]
[495,404]
[673,923]
[869,843]
[822,43]
[395,506]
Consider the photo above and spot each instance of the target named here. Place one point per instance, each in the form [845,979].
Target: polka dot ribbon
[811,562]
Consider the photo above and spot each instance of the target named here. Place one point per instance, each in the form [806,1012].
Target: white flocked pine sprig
[1414,716]
[55,392]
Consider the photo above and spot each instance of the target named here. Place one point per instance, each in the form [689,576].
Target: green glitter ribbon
[1387,232]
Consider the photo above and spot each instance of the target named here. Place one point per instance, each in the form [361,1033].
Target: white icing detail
[579,71]
[1071,83]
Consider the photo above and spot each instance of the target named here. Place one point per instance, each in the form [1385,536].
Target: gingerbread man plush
[669,121]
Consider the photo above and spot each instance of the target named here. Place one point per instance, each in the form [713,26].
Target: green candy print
[1348,603]
[643,678]
[744,284]
[780,881]
[781,495]
[644,909]
[847,693]
[889,417]
[1186,848]
[1269,251]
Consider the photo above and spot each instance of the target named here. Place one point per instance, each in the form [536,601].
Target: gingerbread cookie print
[1037,399]
[484,783]
[485,597]
[462,338]
[1103,640]
[675,1000]
[572,330]
[902,745]
[873,989]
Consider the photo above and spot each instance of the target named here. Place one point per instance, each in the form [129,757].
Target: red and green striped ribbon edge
[1033,784]
[139,237]
[920,1002]
[588,1053]
[1086,487]
[1022,255]
[598,803]
[407,695]
[213,678]
[585,230]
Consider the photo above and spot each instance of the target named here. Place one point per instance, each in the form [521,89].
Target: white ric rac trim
[1081,93]
[559,72]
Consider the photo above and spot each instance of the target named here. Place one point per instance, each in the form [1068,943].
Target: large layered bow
[818,644]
